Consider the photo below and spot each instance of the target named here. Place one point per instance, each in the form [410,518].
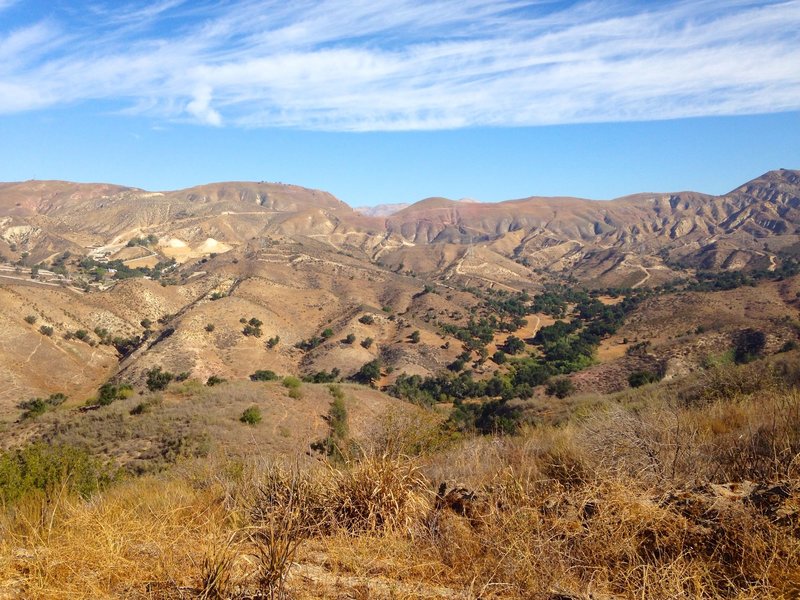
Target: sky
[384,101]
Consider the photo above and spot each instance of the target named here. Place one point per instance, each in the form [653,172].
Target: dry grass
[625,503]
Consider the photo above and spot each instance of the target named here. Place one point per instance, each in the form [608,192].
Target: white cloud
[200,107]
[401,64]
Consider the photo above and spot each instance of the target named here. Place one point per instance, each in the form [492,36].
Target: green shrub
[214,380]
[37,406]
[640,378]
[273,341]
[158,379]
[210,327]
[44,469]
[750,345]
[251,416]
[327,333]
[46,330]
[109,392]
[30,319]
[369,373]
[291,382]
[560,387]
[349,339]
[263,375]
[366,319]
[367,342]
[414,337]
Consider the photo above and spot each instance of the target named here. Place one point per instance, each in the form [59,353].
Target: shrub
[37,406]
[560,387]
[323,376]
[251,416]
[292,384]
[366,319]
[214,380]
[217,295]
[640,378]
[158,379]
[109,392]
[367,342]
[146,323]
[750,345]
[146,406]
[273,341]
[499,357]
[46,330]
[263,375]
[349,339]
[252,327]
[327,333]
[183,376]
[414,337]
[81,334]
[210,327]
[369,373]
[49,470]
[30,319]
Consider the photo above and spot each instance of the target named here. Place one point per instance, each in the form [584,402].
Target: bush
[37,406]
[30,319]
[214,380]
[210,327]
[366,319]
[273,341]
[327,333]
[560,387]
[158,379]
[46,330]
[369,373]
[414,337]
[640,378]
[750,345]
[292,384]
[263,375]
[40,468]
[252,327]
[367,342]
[109,392]
[349,339]
[251,416]
[499,357]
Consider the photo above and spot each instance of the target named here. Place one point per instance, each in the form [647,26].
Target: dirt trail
[646,277]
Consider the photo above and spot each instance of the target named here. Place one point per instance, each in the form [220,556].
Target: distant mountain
[381,210]
[164,279]
[598,241]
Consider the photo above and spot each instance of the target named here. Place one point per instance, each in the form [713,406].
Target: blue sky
[393,100]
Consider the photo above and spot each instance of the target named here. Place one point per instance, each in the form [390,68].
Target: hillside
[164,279]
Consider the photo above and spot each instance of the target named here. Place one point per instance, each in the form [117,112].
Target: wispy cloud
[400,64]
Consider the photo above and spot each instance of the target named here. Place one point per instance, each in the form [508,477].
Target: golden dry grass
[624,503]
